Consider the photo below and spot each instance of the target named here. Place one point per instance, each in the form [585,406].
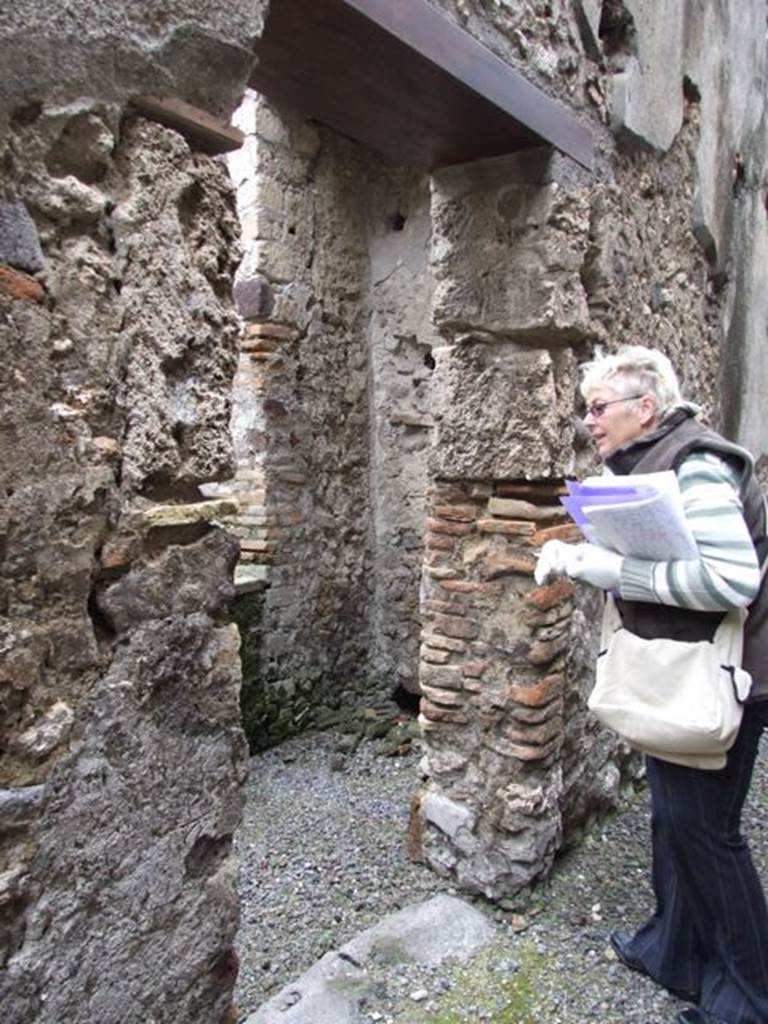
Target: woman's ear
[648,413]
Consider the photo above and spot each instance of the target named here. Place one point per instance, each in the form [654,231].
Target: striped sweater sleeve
[726,573]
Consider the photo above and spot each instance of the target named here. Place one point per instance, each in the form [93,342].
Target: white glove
[595,565]
[554,559]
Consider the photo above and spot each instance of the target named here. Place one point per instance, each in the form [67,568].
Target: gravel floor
[323,856]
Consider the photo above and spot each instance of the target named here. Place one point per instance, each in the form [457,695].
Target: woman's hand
[554,559]
[586,562]
[595,565]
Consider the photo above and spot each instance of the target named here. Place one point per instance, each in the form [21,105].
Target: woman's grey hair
[635,370]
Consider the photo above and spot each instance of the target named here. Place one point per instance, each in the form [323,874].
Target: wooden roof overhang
[402,78]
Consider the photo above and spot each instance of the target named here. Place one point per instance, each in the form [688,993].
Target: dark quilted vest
[665,448]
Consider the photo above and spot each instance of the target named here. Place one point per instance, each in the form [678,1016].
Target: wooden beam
[446,45]
[202,130]
[402,78]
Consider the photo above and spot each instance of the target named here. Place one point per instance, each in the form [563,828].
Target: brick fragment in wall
[444,642]
[253,297]
[277,332]
[462,513]
[439,542]
[473,587]
[440,572]
[442,697]
[20,286]
[536,735]
[434,655]
[447,494]
[505,526]
[568,532]
[505,565]
[520,751]
[535,491]
[536,694]
[445,677]
[452,529]
[436,714]
[514,508]
[449,607]
[559,615]
[19,241]
[453,625]
[543,652]
[535,715]
[551,595]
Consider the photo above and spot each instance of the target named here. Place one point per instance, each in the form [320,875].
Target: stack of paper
[640,515]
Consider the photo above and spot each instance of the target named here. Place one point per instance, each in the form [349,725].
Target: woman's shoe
[695,1015]
[620,941]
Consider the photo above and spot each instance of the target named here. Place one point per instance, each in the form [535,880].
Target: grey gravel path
[323,857]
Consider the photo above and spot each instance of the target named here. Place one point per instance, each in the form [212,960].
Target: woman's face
[614,419]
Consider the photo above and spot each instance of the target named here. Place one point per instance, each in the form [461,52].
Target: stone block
[455,626]
[49,732]
[588,19]
[502,412]
[646,97]
[333,990]
[19,241]
[186,514]
[20,806]
[183,580]
[251,578]
[451,817]
[253,297]
[506,262]
[514,508]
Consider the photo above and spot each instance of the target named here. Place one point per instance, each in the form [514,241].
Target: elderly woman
[707,942]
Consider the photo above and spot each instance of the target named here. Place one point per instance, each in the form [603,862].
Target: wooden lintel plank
[202,130]
[444,44]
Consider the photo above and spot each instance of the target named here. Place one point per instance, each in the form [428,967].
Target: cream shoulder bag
[681,702]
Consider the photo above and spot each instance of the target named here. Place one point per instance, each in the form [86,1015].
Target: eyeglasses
[597,409]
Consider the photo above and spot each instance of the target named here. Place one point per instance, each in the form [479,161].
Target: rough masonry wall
[331,420]
[123,757]
[536,265]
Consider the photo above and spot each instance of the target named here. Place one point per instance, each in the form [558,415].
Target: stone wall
[331,419]
[123,758]
[537,264]
[463,305]
[522,266]
[409,339]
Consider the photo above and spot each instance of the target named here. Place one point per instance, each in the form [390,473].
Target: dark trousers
[709,935]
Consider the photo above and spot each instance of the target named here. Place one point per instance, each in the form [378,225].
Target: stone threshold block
[339,987]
